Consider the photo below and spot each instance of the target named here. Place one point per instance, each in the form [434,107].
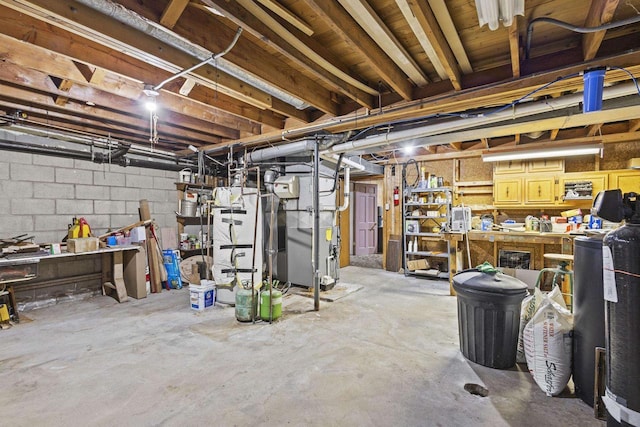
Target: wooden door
[366,219]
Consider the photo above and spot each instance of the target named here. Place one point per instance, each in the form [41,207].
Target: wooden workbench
[53,270]
[534,242]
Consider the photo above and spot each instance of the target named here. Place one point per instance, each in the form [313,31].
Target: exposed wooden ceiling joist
[368,19]
[172,12]
[514,47]
[287,15]
[600,12]
[450,32]
[343,24]
[421,12]
[282,40]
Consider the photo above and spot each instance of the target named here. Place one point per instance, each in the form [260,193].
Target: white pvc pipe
[345,203]
[519,111]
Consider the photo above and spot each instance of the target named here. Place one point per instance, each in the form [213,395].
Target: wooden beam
[433,149]
[286,43]
[517,138]
[600,12]
[287,15]
[450,32]
[172,12]
[634,125]
[247,55]
[485,142]
[594,129]
[121,112]
[348,30]
[514,47]
[58,45]
[22,66]
[456,145]
[363,14]
[186,87]
[80,19]
[554,134]
[422,14]
[419,31]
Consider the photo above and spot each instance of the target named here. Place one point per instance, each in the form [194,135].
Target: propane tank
[396,196]
[621,280]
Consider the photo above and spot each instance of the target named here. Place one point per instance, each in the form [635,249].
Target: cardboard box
[134,267]
[82,244]
[138,234]
[418,264]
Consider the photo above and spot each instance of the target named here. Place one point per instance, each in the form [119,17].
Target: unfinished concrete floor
[385,355]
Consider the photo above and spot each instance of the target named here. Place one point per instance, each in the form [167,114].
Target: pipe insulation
[518,111]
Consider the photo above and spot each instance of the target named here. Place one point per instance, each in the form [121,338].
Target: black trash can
[489,316]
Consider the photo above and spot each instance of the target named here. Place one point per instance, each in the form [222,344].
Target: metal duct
[156,31]
[90,157]
[306,145]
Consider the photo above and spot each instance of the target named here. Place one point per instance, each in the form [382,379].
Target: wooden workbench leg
[12,299]
[107,270]
[453,264]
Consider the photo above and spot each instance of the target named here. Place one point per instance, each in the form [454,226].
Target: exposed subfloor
[385,355]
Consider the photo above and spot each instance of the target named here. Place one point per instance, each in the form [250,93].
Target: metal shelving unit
[426,212]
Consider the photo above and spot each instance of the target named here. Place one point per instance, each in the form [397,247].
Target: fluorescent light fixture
[579,150]
[491,12]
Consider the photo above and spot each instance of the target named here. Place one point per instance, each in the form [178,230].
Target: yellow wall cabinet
[539,191]
[511,166]
[627,180]
[573,188]
[546,165]
[507,191]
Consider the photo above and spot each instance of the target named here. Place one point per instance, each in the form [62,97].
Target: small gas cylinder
[276,310]
[244,311]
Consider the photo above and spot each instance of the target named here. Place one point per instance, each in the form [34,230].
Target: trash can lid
[497,283]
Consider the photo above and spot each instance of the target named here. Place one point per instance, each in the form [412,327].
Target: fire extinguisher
[396,196]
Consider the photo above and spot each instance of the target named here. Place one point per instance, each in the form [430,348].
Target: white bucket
[202,296]
[185,175]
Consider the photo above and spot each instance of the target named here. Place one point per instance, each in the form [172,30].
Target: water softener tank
[588,313]
[622,318]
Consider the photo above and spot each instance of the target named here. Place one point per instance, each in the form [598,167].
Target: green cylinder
[244,313]
[264,305]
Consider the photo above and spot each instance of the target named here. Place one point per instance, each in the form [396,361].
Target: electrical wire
[633,78]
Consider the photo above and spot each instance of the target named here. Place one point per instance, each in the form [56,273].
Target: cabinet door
[511,166]
[539,191]
[626,180]
[546,165]
[572,191]
[507,191]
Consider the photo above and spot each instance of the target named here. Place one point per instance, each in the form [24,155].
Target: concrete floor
[385,355]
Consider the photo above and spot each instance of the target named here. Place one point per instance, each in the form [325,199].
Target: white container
[202,296]
[185,175]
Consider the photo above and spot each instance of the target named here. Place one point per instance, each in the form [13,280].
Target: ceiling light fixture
[491,12]
[541,153]
[408,149]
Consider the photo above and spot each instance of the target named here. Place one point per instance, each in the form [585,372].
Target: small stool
[559,273]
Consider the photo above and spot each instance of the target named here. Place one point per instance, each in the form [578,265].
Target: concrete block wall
[41,194]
